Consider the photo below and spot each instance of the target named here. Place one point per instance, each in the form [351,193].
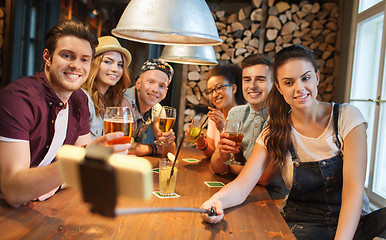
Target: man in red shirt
[40,113]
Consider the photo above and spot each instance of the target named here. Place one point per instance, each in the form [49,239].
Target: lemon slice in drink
[195,131]
[171,156]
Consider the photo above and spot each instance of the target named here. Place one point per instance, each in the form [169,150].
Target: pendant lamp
[198,55]
[168,22]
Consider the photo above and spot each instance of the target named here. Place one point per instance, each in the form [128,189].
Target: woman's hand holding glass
[194,133]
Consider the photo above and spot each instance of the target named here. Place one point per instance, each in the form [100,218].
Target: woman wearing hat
[107,81]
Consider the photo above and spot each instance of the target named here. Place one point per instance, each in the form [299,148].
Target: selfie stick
[99,187]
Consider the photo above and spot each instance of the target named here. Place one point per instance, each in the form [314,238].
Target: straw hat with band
[109,43]
[157,64]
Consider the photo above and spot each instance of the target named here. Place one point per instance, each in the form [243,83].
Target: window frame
[376,200]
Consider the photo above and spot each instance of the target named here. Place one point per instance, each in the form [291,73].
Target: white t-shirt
[315,149]
[213,132]
[60,134]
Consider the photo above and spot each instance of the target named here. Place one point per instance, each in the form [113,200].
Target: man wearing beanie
[150,89]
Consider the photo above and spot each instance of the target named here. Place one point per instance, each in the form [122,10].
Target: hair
[114,95]
[257,59]
[278,132]
[69,28]
[232,74]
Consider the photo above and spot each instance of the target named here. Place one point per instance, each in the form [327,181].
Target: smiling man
[257,80]
[150,88]
[257,83]
[40,113]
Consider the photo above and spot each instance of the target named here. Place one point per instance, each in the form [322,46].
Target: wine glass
[166,120]
[119,119]
[236,133]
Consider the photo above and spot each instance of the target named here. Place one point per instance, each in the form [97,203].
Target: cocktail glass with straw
[195,130]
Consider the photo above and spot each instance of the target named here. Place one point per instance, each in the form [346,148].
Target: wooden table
[66,216]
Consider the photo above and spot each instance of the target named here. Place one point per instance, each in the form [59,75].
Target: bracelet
[154,149]
[203,147]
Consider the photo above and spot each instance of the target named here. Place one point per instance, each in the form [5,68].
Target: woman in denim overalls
[306,143]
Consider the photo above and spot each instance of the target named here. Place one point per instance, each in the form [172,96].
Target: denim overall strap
[314,202]
[335,115]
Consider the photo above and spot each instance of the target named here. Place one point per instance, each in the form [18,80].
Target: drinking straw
[204,122]
[175,159]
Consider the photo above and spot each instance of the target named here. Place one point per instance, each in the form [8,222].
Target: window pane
[366,59]
[366,4]
[31,45]
[380,160]
[368,111]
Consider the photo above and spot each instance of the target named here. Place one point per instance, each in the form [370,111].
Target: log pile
[314,26]
[266,26]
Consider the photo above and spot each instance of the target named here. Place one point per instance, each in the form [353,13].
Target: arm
[19,182]
[206,144]
[147,149]
[269,173]
[238,190]
[208,152]
[222,153]
[354,172]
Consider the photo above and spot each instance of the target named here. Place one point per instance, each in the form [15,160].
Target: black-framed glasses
[218,88]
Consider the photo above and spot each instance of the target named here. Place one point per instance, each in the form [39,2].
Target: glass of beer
[236,133]
[119,119]
[166,120]
[167,184]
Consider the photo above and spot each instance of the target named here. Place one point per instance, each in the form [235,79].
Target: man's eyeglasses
[218,88]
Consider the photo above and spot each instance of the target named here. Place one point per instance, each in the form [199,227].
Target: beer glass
[236,133]
[166,120]
[119,119]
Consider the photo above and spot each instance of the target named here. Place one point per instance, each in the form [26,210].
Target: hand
[217,117]
[201,137]
[217,206]
[225,145]
[117,148]
[167,137]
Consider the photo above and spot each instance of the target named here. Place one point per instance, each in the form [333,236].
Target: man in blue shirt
[257,83]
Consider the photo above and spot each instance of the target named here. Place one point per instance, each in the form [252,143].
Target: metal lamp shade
[168,22]
[199,55]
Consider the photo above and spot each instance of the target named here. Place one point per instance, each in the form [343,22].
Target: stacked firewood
[266,27]
[314,26]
